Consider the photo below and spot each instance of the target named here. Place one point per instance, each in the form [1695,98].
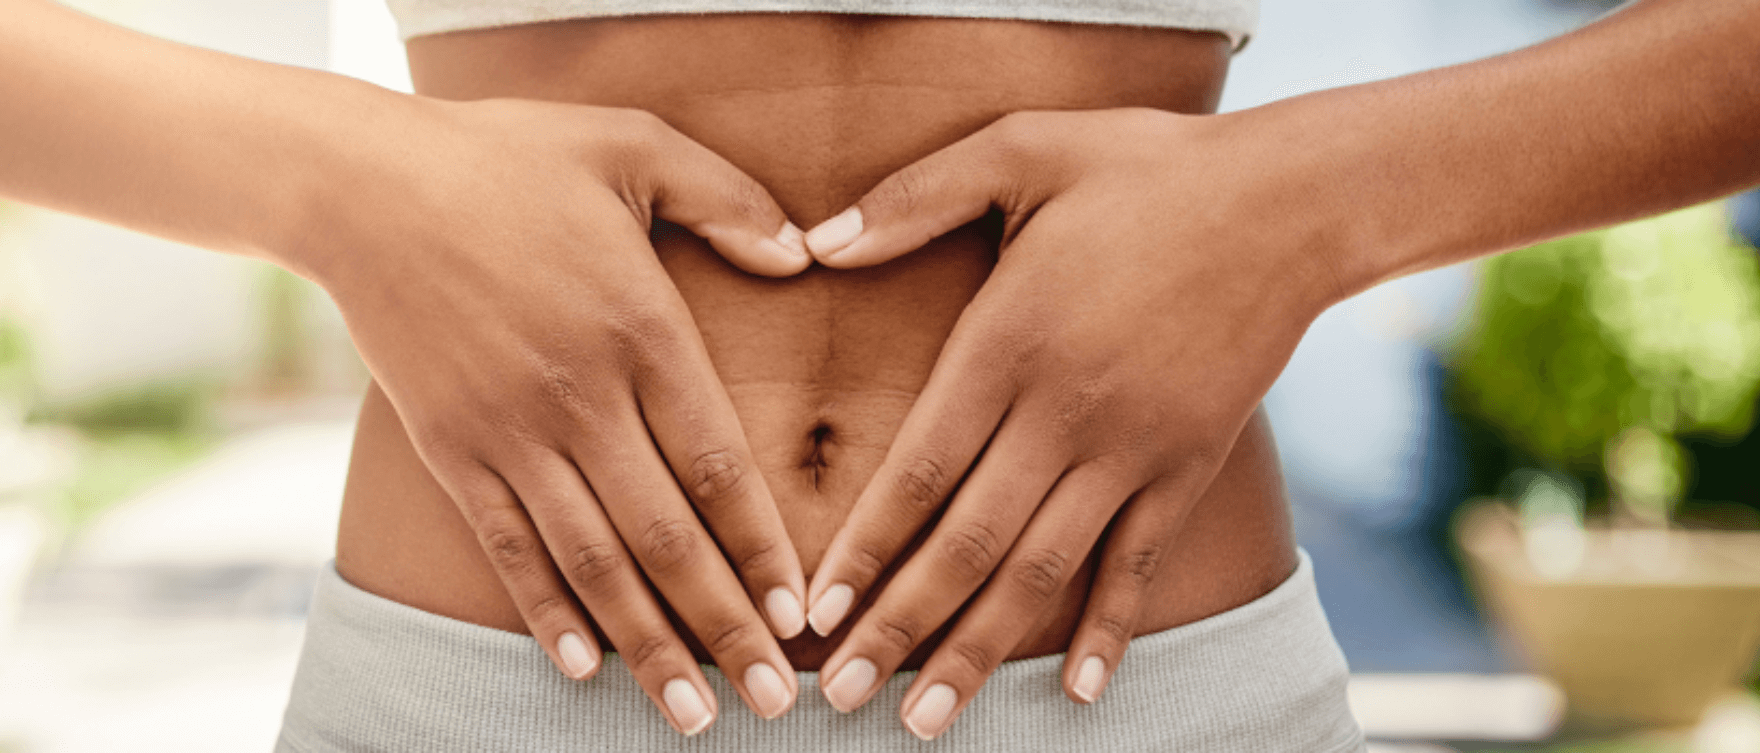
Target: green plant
[1591,353]
[16,383]
[164,407]
[112,467]
[287,337]
[130,438]
[15,359]
[1617,746]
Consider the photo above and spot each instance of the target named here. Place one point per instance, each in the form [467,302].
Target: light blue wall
[1352,410]
[1357,414]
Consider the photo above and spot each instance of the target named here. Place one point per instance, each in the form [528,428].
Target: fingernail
[1090,679]
[928,719]
[577,659]
[835,233]
[846,690]
[789,243]
[687,706]
[831,608]
[785,612]
[768,690]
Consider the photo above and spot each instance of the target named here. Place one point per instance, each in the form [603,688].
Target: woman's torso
[821,367]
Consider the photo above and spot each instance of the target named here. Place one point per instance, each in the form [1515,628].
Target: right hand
[493,265]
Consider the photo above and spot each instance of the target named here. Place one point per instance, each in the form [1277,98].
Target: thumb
[703,192]
[925,200]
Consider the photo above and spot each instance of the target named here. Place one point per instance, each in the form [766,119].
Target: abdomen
[822,367]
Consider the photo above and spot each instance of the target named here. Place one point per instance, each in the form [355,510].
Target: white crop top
[1236,18]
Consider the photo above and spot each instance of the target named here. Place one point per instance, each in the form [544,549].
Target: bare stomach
[821,367]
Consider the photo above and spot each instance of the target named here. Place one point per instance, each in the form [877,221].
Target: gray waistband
[1235,18]
[376,675]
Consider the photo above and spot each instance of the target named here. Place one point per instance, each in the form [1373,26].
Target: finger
[984,520]
[690,185]
[1128,563]
[1035,572]
[692,420]
[932,196]
[581,541]
[945,430]
[526,570]
[660,529]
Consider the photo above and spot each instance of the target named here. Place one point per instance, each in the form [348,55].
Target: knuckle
[1114,627]
[715,477]
[640,330]
[483,501]
[442,443]
[745,198]
[976,657]
[1012,130]
[647,651]
[1083,404]
[1138,566]
[1185,460]
[905,191]
[1017,137]
[1203,457]
[1039,574]
[1143,443]
[547,608]
[594,567]
[726,635]
[1008,343]
[922,484]
[971,550]
[670,546]
[759,556]
[560,385]
[629,140]
[867,561]
[646,125]
[899,632]
[510,549]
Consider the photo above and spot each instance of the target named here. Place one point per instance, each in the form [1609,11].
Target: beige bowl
[1649,630]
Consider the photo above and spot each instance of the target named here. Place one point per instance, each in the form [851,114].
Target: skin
[821,367]
[528,220]
[1052,386]
[1076,391]
[538,445]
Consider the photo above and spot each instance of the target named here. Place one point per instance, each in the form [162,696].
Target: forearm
[202,147]
[1652,108]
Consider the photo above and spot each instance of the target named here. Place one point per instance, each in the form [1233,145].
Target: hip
[1264,677]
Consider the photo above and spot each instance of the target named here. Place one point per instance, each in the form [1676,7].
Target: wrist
[1293,202]
[355,139]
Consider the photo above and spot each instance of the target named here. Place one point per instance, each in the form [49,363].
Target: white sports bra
[1236,18]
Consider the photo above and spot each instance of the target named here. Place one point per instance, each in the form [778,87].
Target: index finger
[950,423]
[679,557]
[1001,165]
[694,425]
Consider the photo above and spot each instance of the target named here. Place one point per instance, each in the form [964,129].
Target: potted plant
[24,464]
[1589,356]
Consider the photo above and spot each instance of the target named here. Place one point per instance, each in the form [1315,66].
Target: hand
[1143,302]
[497,277]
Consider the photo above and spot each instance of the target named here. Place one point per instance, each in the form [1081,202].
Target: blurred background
[1521,480]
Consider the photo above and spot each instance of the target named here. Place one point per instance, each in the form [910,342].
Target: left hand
[1147,294]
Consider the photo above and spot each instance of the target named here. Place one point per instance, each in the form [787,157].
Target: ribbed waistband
[376,675]
[1236,18]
